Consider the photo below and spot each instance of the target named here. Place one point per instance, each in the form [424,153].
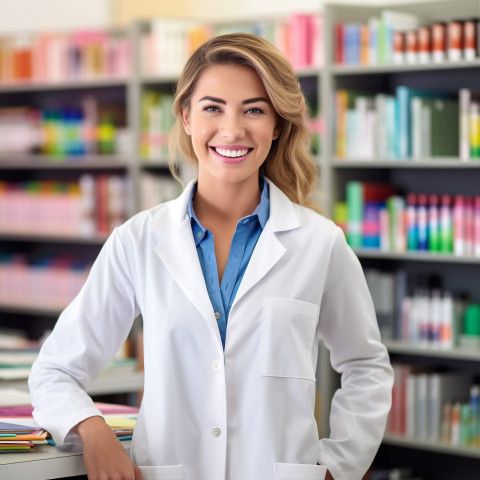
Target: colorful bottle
[422,222]
[433,224]
[411,220]
[475,415]
[446,225]
[459,226]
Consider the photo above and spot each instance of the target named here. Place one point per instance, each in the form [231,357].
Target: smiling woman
[237,280]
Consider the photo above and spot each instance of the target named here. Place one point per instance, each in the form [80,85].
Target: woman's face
[231,123]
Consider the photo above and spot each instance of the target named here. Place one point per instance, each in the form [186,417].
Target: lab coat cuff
[64,433]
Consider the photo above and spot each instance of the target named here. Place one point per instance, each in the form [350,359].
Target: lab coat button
[216,432]
[216,366]
[217,316]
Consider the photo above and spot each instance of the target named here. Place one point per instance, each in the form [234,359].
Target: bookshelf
[447,174]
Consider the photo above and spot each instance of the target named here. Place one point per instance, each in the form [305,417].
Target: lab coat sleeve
[86,337]
[349,329]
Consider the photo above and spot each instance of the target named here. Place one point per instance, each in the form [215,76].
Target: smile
[231,153]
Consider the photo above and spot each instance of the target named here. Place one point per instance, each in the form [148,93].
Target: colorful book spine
[439,224]
[169,43]
[65,209]
[49,282]
[69,131]
[405,38]
[50,57]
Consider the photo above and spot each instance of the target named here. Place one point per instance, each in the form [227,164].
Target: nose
[232,127]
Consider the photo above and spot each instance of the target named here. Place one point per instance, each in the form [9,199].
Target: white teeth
[231,153]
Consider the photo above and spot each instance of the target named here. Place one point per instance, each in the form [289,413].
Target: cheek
[201,134]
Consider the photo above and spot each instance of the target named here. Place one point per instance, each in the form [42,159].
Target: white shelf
[340,70]
[34,86]
[433,163]
[456,353]
[25,310]
[106,384]
[416,257]
[31,237]
[44,162]
[396,440]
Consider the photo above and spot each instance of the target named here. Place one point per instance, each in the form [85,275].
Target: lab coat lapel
[269,249]
[179,255]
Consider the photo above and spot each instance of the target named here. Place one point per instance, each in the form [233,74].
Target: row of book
[410,124]
[435,406]
[420,311]
[91,206]
[405,38]
[49,282]
[21,438]
[89,128]
[157,120]
[20,433]
[57,57]
[168,44]
[376,216]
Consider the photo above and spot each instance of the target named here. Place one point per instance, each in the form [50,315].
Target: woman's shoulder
[315,220]
[146,221]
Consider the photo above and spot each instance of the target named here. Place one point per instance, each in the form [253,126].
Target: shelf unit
[429,175]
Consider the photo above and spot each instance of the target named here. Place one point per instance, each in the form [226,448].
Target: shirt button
[216,432]
[217,316]
[199,234]
[216,366]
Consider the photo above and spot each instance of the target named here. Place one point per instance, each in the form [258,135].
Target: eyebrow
[223,102]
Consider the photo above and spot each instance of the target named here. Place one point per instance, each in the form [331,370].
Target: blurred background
[86,90]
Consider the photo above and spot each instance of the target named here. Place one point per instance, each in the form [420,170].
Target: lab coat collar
[178,252]
[282,211]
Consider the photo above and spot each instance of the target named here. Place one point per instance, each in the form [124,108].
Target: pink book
[298,34]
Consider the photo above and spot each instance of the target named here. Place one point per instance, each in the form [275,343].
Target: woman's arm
[86,337]
[103,454]
[349,329]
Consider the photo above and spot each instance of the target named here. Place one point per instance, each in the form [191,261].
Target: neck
[225,202]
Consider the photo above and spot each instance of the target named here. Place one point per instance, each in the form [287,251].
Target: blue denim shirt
[247,232]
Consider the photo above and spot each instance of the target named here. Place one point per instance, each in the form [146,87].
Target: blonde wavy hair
[289,164]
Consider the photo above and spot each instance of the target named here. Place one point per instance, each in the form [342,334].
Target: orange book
[30,437]
[341,107]
[197,36]
[364,44]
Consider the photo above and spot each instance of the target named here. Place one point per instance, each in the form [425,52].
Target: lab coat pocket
[170,472]
[288,335]
[292,471]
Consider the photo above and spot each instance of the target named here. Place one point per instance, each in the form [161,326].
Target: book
[443,388]
[404,95]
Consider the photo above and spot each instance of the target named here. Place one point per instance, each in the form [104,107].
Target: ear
[186,121]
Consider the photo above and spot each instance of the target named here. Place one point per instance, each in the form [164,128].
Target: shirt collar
[262,211]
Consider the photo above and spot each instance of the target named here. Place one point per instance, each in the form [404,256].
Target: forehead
[236,81]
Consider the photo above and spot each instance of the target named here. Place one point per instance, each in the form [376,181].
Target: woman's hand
[104,456]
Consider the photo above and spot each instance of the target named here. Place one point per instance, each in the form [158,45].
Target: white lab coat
[245,413]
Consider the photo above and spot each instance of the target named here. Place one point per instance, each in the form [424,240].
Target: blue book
[352,43]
